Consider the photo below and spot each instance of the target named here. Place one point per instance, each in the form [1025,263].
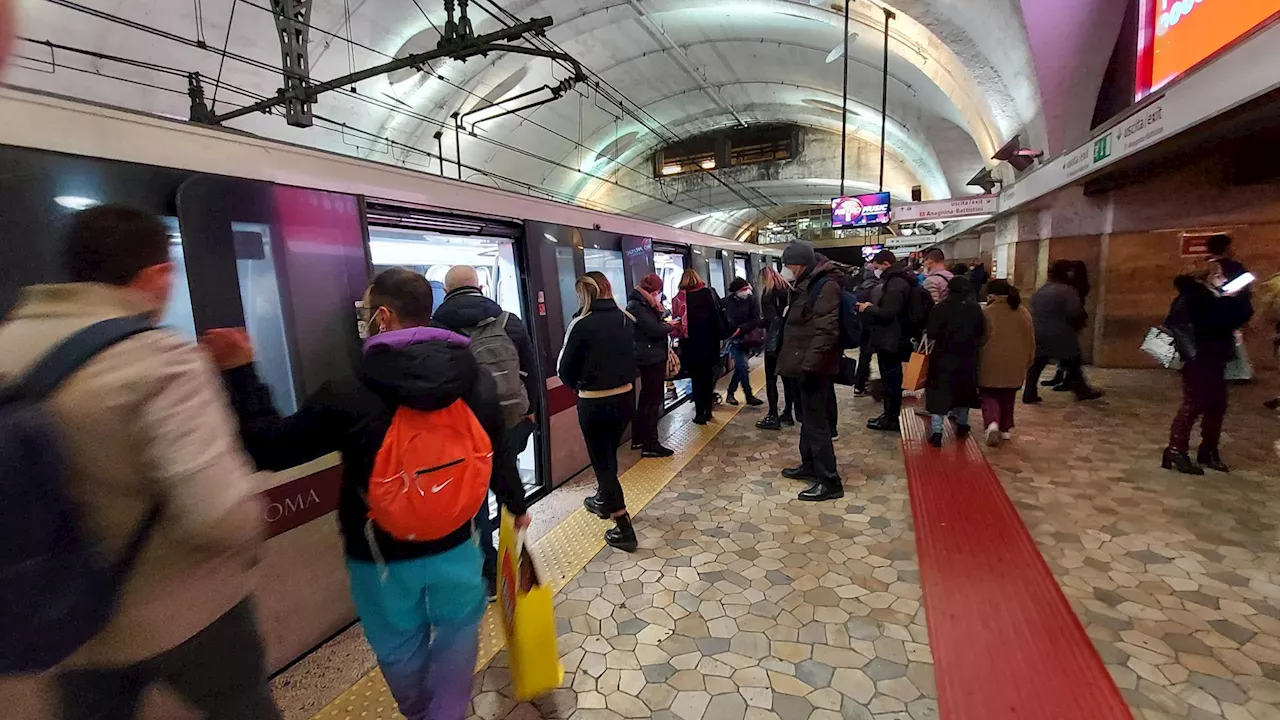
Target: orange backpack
[431,474]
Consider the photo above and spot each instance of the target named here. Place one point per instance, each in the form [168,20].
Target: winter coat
[1059,317]
[1010,347]
[867,285]
[956,330]
[936,283]
[1212,319]
[424,368]
[889,316]
[704,328]
[743,314]
[811,335]
[465,307]
[773,311]
[599,350]
[146,423]
[651,333]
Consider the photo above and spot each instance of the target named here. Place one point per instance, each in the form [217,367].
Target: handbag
[917,373]
[527,607]
[1161,345]
[673,364]
[848,372]
[753,339]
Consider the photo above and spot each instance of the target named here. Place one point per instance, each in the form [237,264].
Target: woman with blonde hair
[598,361]
[773,305]
[702,322]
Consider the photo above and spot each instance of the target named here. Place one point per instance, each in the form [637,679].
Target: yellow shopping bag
[528,617]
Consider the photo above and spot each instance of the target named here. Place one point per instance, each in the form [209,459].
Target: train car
[283,240]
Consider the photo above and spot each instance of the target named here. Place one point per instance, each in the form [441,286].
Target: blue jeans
[423,622]
[741,371]
[961,416]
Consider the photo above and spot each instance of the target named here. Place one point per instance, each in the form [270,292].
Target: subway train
[283,240]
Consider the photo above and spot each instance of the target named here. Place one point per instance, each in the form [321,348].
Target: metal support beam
[457,51]
[844,103]
[884,93]
[293,30]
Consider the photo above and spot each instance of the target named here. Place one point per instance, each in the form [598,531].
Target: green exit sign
[1102,148]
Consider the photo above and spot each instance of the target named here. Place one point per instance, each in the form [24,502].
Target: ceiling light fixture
[76,202]
[838,51]
[671,169]
[708,164]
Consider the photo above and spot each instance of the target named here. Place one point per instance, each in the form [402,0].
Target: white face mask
[788,274]
[879,272]
[743,294]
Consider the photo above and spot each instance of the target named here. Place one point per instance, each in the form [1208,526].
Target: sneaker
[657,451]
[754,401]
[936,440]
[1006,435]
[993,435]
[770,422]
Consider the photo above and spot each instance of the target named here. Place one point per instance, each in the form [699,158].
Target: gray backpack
[495,352]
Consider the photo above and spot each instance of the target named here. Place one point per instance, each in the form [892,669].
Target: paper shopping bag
[528,617]
[917,371]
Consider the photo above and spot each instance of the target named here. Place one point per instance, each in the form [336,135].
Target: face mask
[743,294]
[788,274]
[879,272]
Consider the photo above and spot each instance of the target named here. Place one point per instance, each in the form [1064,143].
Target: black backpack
[919,305]
[56,592]
[850,325]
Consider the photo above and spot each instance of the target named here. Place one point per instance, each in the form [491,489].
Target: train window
[669,267]
[716,281]
[263,311]
[740,268]
[567,275]
[179,316]
[608,262]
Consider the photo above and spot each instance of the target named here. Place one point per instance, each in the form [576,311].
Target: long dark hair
[1003,288]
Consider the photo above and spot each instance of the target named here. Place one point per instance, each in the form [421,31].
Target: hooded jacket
[889,315]
[424,368]
[1212,319]
[466,307]
[811,335]
[145,423]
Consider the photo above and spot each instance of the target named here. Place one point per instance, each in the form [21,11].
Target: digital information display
[1177,35]
[860,210]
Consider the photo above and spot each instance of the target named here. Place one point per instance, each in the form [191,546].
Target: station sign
[949,209]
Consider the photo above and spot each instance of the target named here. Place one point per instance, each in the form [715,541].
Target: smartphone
[1238,284]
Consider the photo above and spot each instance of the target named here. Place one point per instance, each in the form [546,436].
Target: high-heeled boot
[1180,461]
[1209,458]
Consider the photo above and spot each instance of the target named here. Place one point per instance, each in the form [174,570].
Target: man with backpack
[128,507]
[421,432]
[501,344]
[896,315]
[811,350]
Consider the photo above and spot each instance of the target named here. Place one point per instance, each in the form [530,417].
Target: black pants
[703,378]
[1072,372]
[789,389]
[817,453]
[603,421]
[863,374]
[832,416]
[649,405]
[517,439]
[219,671]
[891,375]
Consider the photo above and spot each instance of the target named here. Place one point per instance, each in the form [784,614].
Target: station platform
[1065,576]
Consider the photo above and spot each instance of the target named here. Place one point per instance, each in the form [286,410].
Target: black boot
[1087,393]
[884,423]
[1175,460]
[962,431]
[1209,458]
[730,399]
[752,400]
[799,472]
[623,536]
[936,439]
[1032,399]
[820,490]
[770,422]
[785,419]
[594,506]
[657,451]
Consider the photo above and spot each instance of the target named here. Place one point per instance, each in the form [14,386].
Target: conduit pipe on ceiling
[683,60]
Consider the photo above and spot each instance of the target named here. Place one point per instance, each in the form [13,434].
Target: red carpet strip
[1006,643]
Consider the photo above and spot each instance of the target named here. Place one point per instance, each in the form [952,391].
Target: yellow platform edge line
[561,554]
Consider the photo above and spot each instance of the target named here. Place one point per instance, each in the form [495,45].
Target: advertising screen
[860,210]
[1177,35]
[869,251]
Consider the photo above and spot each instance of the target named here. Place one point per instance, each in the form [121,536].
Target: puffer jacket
[1210,320]
[651,333]
[424,368]
[811,335]
[146,423]
[889,315]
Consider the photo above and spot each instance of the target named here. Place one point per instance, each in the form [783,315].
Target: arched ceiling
[961,83]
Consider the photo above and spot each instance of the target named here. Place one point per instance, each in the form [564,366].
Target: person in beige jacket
[146,425]
[1008,352]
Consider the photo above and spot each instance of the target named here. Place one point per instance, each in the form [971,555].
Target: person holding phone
[1205,320]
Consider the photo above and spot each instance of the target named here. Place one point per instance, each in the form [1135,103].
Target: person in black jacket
[463,308]
[743,313]
[957,330]
[651,357]
[888,315]
[866,291]
[703,328]
[773,304]
[598,361]
[1204,323]
[420,603]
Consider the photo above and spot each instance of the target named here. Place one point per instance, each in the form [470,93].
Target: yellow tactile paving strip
[562,553]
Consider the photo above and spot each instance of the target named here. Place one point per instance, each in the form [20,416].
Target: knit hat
[800,252]
[651,283]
